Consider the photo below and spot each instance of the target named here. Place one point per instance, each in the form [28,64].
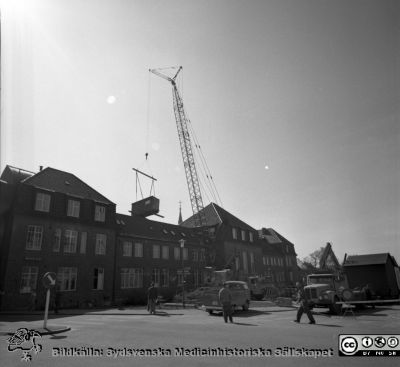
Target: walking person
[304,307]
[225,298]
[152,298]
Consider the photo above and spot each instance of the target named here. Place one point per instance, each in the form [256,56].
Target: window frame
[67,278]
[101,244]
[28,279]
[42,202]
[99,213]
[73,208]
[34,237]
[70,241]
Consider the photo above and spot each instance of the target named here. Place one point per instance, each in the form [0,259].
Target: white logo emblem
[349,345]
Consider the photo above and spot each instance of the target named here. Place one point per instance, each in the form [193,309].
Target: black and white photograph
[199,183]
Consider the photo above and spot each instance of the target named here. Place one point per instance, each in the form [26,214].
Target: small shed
[377,270]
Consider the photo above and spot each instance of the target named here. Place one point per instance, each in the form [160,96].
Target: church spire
[180,213]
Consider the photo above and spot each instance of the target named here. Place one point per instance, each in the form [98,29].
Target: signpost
[48,281]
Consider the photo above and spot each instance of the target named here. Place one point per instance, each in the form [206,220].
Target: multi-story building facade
[51,221]
[150,251]
[279,258]
[54,222]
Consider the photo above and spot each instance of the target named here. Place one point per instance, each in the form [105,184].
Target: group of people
[225,299]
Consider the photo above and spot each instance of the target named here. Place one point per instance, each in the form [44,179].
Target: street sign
[49,280]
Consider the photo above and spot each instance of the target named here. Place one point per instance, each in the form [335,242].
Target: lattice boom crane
[186,149]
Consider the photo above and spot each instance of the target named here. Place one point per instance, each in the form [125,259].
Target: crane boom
[186,149]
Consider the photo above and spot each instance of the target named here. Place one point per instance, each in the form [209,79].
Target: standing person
[225,298]
[152,298]
[304,308]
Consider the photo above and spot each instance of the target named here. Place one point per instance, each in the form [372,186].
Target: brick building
[278,258]
[51,221]
[54,222]
[154,251]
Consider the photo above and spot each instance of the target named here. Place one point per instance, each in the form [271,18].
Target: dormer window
[251,238]
[73,208]
[42,202]
[234,233]
[100,213]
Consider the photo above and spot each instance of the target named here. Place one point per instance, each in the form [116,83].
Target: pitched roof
[369,259]
[137,226]
[13,175]
[214,215]
[64,182]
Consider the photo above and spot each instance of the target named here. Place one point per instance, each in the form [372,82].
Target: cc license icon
[348,345]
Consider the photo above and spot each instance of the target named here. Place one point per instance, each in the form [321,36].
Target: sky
[295,104]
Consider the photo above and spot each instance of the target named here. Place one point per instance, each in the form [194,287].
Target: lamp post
[182,243]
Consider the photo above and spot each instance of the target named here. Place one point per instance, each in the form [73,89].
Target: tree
[314,257]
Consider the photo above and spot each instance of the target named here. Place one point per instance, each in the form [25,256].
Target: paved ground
[263,328]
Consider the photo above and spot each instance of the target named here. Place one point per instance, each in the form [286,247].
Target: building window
[138,249]
[196,278]
[156,251]
[177,253]
[29,278]
[264,261]
[195,255]
[243,233]
[156,277]
[164,281]
[180,276]
[165,252]
[237,262]
[131,278]
[83,242]
[127,248]
[252,267]
[185,253]
[34,237]
[100,213]
[101,242]
[42,202]
[98,279]
[70,241]
[251,237]
[202,254]
[73,208]
[244,257]
[234,233]
[66,278]
[57,240]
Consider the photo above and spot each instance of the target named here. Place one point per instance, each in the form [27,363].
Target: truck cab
[324,290]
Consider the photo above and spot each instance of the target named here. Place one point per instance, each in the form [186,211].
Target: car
[240,297]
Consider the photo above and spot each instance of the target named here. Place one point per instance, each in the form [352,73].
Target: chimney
[40,168]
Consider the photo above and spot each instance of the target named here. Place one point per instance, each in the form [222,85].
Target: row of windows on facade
[278,261]
[42,204]
[34,240]
[130,278]
[242,235]
[70,245]
[162,251]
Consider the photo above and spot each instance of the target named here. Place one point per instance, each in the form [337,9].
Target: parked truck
[332,290]
[325,290]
